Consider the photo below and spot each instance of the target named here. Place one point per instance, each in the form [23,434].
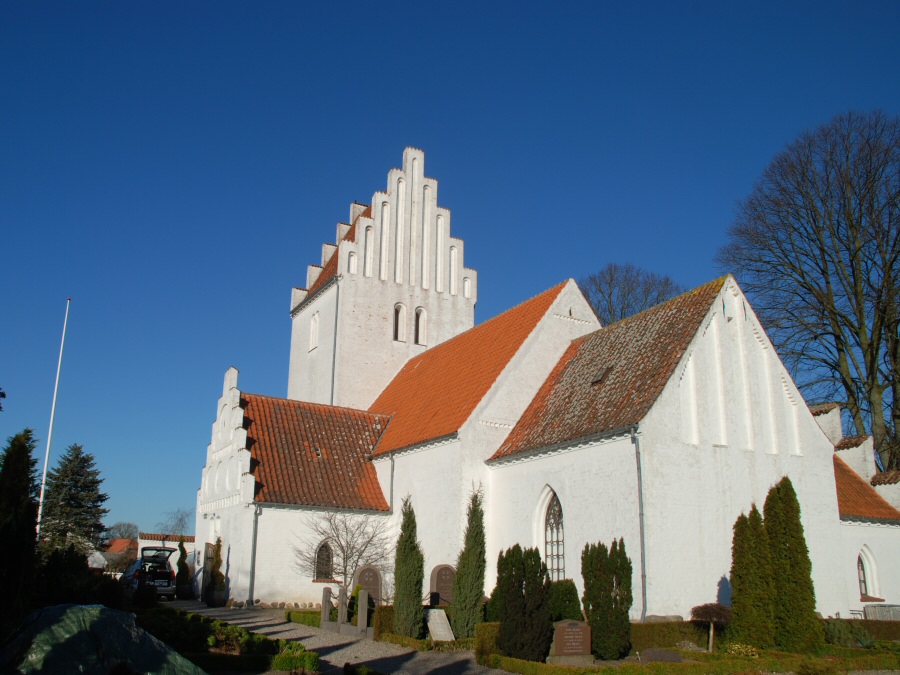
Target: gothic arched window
[324,563]
[861,573]
[555,556]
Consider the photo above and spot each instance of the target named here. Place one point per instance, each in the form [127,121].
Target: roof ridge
[718,281]
[313,403]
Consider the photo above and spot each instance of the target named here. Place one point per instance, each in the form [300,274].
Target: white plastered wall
[729,425]
[879,545]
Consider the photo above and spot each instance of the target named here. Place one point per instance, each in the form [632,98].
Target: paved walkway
[335,650]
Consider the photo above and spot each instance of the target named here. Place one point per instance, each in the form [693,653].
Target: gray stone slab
[438,625]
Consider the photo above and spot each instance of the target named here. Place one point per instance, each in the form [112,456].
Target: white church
[661,428]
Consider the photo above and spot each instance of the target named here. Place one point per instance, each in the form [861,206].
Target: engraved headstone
[438,625]
[571,638]
[370,580]
[442,584]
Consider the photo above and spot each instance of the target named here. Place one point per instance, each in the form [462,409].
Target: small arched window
[554,540]
[399,323]
[421,336]
[314,331]
[351,263]
[324,562]
[861,573]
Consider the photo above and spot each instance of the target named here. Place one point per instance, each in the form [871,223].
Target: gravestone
[326,606]
[370,579]
[342,605]
[442,585]
[438,625]
[571,638]
[362,611]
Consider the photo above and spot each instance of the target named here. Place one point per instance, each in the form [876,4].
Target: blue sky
[174,167]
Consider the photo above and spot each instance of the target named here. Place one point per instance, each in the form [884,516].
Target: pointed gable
[312,454]
[435,393]
[857,500]
[609,379]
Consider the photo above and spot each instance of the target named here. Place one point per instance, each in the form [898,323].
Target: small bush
[486,635]
[737,649]
[564,602]
[383,620]
[359,669]
[293,661]
[304,617]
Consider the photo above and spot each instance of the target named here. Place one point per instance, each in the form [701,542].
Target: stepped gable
[436,392]
[886,477]
[330,268]
[857,500]
[609,379]
[312,454]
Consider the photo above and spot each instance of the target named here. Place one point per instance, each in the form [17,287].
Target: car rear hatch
[155,567]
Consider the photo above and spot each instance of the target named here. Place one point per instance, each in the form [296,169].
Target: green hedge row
[304,617]
[486,635]
[880,630]
[666,635]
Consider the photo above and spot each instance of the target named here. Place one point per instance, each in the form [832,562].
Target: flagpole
[52,415]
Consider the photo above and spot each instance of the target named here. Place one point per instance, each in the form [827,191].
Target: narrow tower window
[453,256]
[369,251]
[555,556]
[351,263]
[399,323]
[467,287]
[421,336]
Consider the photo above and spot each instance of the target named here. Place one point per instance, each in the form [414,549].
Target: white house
[660,429]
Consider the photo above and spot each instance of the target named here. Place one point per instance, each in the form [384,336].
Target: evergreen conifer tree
[796,627]
[752,591]
[522,600]
[468,584]
[607,598]
[18,520]
[409,571]
[73,504]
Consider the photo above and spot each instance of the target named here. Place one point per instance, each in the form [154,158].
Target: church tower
[393,286]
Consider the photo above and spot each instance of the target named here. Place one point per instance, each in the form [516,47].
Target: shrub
[796,626]
[486,641]
[294,657]
[752,591]
[711,613]
[738,649]
[523,590]
[409,571]
[383,620]
[880,630]
[183,575]
[564,602]
[359,669]
[304,617]
[468,584]
[607,598]
[217,579]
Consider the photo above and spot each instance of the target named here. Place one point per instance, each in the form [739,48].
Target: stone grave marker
[571,638]
[370,579]
[442,585]
[438,625]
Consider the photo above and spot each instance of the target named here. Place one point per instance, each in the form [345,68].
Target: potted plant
[183,587]
[216,578]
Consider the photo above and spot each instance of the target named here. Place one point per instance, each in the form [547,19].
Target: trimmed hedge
[383,620]
[667,634]
[880,630]
[304,617]
[308,661]
[486,635]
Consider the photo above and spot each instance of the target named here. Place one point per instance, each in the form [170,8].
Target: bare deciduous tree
[122,530]
[618,291]
[354,539]
[176,522]
[817,247]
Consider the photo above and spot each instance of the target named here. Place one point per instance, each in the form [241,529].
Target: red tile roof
[330,268]
[850,442]
[435,393]
[822,408]
[312,454]
[609,379]
[153,536]
[857,500]
[886,477]
[120,545]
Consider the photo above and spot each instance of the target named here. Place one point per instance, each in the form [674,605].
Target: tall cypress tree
[509,600]
[73,504]
[796,627]
[607,598]
[523,602]
[468,584]
[752,590]
[409,571]
[18,520]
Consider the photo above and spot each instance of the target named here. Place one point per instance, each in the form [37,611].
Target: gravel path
[335,650]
